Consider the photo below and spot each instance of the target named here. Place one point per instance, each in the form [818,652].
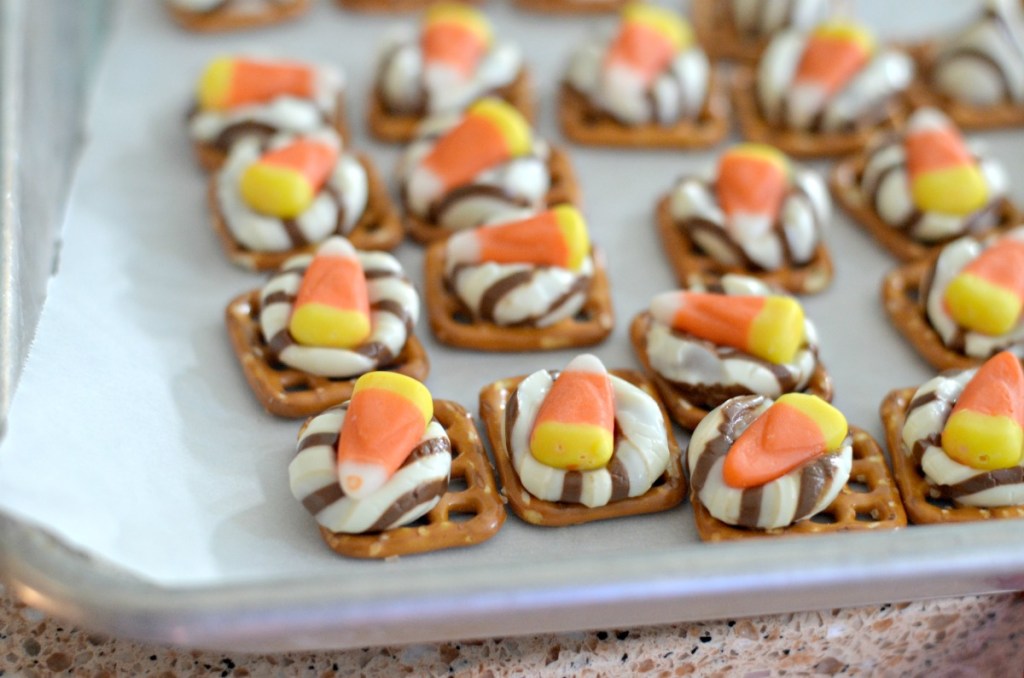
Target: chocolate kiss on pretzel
[943,174]
[985,430]
[332,306]
[232,82]
[796,429]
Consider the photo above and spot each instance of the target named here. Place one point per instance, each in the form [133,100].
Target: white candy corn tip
[358,480]
[463,248]
[336,246]
[805,100]
[586,362]
[928,119]
[664,307]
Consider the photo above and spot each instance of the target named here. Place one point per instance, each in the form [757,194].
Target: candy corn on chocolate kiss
[923,188]
[766,220]
[635,95]
[321,322]
[792,466]
[490,136]
[579,445]
[963,305]
[702,348]
[379,473]
[456,46]
[956,443]
[225,15]
[236,98]
[534,283]
[815,111]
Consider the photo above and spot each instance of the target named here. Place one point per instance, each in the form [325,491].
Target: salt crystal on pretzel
[768,327]
[454,39]
[284,181]
[985,429]
[834,53]
[944,177]
[796,429]
[987,295]
[332,306]
[555,237]
[575,425]
[231,82]
[387,416]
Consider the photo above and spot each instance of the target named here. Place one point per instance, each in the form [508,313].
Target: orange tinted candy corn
[943,174]
[387,416]
[455,36]
[284,182]
[230,82]
[648,38]
[491,132]
[796,429]
[556,237]
[985,430]
[332,307]
[575,424]
[988,294]
[769,327]
[752,179]
[834,53]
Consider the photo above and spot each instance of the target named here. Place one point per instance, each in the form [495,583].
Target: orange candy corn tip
[752,180]
[987,296]
[332,306]
[767,327]
[796,429]
[834,52]
[491,132]
[649,37]
[284,181]
[575,425]
[943,174]
[387,416]
[985,429]
[456,36]
[555,237]
[230,82]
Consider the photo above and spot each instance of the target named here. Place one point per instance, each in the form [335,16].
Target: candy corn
[943,174]
[455,37]
[387,416]
[648,38]
[987,296]
[283,182]
[556,237]
[332,307]
[229,82]
[768,327]
[985,430]
[796,429]
[752,181]
[491,132]
[575,425]
[834,53]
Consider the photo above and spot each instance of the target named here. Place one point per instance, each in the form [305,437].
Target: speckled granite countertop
[975,636]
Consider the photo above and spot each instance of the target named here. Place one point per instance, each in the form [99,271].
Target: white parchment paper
[133,433]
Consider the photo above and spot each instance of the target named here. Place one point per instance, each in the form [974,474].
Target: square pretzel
[564,189]
[452,323]
[582,122]
[402,127]
[390,6]
[921,507]
[718,35]
[286,391]
[479,507]
[799,143]
[667,492]
[379,228]
[570,6]
[868,502]
[684,412]
[688,261]
[844,183]
[227,20]
[965,115]
[901,297]
[211,158]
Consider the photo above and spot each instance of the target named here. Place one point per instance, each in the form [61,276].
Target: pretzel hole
[824,518]
[461,516]
[940,502]
[867,516]
[858,486]
[276,365]
[296,386]
[457,484]
[462,318]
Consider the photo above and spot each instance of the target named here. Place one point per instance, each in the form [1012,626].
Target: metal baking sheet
[179,526]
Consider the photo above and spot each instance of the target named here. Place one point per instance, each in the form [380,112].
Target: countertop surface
[974,636]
